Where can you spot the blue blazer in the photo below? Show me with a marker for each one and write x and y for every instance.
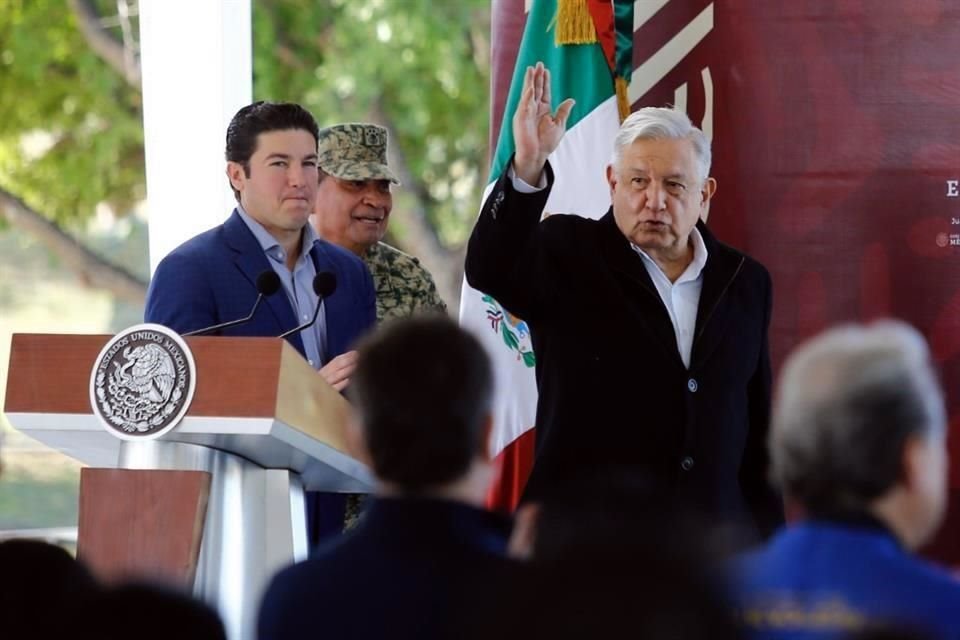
(819, 580)
(211, 278)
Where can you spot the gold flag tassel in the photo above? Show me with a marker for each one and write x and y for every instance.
(574, 23)
(623, 102)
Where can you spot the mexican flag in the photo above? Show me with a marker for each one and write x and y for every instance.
(585, 72)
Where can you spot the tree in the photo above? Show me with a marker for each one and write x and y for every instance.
(421, 69)
(73, 138)
(70, 137)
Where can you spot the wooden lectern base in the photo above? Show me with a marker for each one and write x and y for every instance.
(144, 524)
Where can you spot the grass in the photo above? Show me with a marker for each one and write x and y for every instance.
(38, 489)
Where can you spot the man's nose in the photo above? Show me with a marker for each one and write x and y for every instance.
(296, 176)
(374, 197)
(656, 197)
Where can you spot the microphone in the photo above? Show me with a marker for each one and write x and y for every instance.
(324, 284)
(268, 283)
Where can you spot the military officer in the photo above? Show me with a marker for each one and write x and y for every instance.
(352, 209)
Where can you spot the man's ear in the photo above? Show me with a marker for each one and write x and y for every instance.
(706, 193)
(611, 178)
(236, 175)
(524, 534)
(913, 461)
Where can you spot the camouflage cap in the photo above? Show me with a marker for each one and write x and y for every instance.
(355, 151)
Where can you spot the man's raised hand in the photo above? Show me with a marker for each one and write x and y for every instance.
(536, 131)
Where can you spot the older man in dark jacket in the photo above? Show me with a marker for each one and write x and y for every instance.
(650, 335)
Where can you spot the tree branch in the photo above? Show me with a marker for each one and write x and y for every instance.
(444, 264)
(108, 48)
(92, 270)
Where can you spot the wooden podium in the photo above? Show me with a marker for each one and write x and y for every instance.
(217, 501)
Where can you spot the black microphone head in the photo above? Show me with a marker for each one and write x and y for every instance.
(268, 283)
(324, 283)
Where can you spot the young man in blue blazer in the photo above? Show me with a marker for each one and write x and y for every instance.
(271, 152)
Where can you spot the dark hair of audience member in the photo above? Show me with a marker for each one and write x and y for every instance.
(422, 390)
(599, 505)
(148, 612)
(40, 584)
(263, 117)
(46, 593)
(611, 557)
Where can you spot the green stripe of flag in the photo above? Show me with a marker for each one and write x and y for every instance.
(577, 71)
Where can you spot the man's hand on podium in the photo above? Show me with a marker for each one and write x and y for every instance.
(337, 372)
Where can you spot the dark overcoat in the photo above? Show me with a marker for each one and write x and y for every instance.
(613, 390)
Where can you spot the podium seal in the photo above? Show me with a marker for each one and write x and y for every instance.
(142, 382)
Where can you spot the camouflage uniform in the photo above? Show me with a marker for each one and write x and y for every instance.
(358, 151)
(404, 287)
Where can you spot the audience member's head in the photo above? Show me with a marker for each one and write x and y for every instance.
(621, 590)
(148, 612)
(46, 593)
(609, 556)
(859, 427)
(40, 585)
(422, 394)
(613, 501)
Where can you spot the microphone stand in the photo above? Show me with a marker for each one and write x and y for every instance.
(226, 325)
(316, 312)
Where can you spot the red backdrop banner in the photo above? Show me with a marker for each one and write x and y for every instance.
(836, 137)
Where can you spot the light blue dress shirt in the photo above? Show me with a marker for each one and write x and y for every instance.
(298, 285)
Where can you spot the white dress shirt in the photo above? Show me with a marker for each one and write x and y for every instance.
(681, 298)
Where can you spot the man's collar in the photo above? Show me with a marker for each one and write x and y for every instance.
(699, 261)
(267, 242)
(856, 518)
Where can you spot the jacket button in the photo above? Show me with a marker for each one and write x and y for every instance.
(692, 385)
(687, 463)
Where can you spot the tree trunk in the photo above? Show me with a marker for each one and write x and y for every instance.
(102, 42)
(421, 240)
(91, 269)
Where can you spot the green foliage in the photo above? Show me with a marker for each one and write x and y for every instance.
(70, 127)
(47, 498)
(419, 66)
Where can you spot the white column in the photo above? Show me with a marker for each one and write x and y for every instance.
(197, 72)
